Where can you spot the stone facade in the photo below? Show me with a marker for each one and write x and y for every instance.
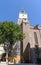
(29, 50)
(32, 37)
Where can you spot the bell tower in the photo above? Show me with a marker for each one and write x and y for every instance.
(23, 17)
(23, 21)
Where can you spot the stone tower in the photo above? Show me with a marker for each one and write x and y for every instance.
(25, 25)
(23, 21)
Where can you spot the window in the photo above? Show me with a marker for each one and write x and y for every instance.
(35, 36)
(40, 34)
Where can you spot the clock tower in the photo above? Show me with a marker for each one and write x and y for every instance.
(23, 21)
(23, 17)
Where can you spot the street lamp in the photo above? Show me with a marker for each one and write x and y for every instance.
(6, 49)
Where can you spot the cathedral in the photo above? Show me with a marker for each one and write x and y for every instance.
(28, 50)
(31, 45)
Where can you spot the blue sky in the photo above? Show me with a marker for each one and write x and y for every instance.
(9, 10)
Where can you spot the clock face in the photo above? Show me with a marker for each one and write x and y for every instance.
(22, 15)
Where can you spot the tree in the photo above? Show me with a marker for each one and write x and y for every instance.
(10, 32)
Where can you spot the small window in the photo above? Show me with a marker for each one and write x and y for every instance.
(24, 18)
(35, 36)
(40, 34)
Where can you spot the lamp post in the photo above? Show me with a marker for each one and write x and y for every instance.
(6, 49)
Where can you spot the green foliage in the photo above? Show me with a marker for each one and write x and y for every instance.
(9, 31)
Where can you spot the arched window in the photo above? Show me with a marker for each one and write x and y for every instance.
(36, 39)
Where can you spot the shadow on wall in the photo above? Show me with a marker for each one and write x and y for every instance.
(32, 55)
